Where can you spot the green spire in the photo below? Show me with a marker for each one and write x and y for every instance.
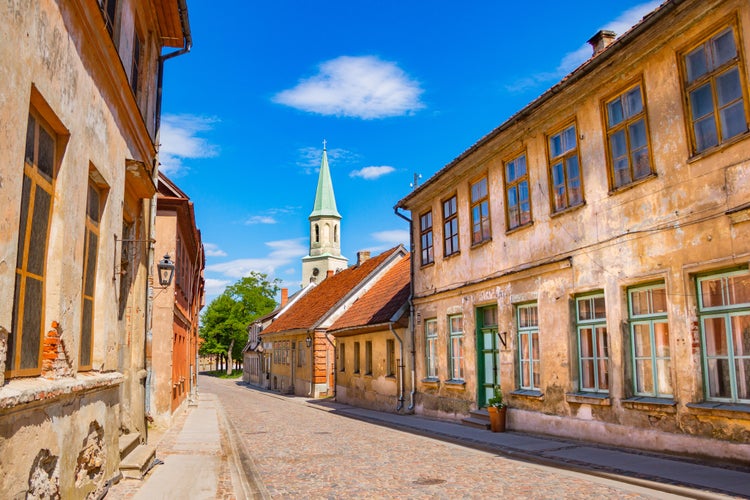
(325, 201)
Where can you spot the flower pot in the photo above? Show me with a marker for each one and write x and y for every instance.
(497, 418)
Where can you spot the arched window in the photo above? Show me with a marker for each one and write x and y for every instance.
(336, 233)
(317, 234)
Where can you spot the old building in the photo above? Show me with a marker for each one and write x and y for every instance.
(79, 126)
(172, 357)
(301, 350)
(374, 345)
(590, 255)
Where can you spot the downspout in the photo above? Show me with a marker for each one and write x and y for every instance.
(335, 370)
(411, 310)
(400, 368)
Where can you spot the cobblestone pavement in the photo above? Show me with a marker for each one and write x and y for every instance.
(299, 451)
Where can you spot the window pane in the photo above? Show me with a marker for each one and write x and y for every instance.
(32, 324)
(618, 144)
(11, 350)
(615, 112)
(732, 121)
(634, 102)
(661, 339)
(718, 378)
(622, 172)
(39, 221)
(728, 86)
(711, 295)
(724, 49)
(587, 374)
(535, 366)
(587, 342)
(512, 197)
(569, 139)
(741, 334)
(663, 377)
(524, 348)
(524, 374)
(25, 200)
(574, 181)
(738, 289)
(705, 133)
(555, 145)
(696, 63)
(641, 164)
(535, 345)
(603, 375)
(644, 376)
(46, 160)
(639, 302)
(701, 101)
(88, 288)
(659, 299)
(715, 336)
(86, 328)
(743, 378)
(637, 133)
(642, 340)
(599, 309)
(30, 131)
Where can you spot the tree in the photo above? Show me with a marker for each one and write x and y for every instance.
(224, 322)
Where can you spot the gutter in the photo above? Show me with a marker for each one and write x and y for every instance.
(411, 310)
(187, 40)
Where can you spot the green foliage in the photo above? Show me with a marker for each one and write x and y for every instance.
(497, 400)
(225, 320)
(223, 374)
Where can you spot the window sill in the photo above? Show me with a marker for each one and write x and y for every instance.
(567, 210)
(454, 254)
(528, 393)
(481, 243)
(719, 147)
(431, 381)
(455, 384)
(632, 184)
(519, 228)
(588, 398)
(650, 404)
(28, 390)
(730, 410)
(427, 264)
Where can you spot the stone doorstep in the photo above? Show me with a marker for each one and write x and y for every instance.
(137, 462)
(128, 442)
(479, 419)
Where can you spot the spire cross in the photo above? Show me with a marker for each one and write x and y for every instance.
(324, 144)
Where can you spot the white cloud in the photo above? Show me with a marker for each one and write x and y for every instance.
(362, 87)
(370, 173)
(213, 250)
(282, 253)
(392, 237)
(215, 287)
(180, 141)
(260, 219)
(572, 60)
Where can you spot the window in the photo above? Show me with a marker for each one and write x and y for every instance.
(724, 312)
(649, 333)
(356, 357)
(593, 354)
(90, 248)
(135, 75)
(430, 333)
(480, 212)
(565, 171)
(450, 226)
(109, 10)
(456, 347)
(528, 346)
(368, 358)
(25, 342)
(713, 79)
(300, 353)
(390, 355)
(517, 200)
(342, 357)
(317, 233)
(425, 237)
(627, 138)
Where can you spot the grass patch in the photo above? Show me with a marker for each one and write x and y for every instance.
(223, 374)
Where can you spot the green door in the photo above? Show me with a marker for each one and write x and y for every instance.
(488, 356)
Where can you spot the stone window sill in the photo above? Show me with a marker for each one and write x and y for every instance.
(28, 390)
(431, 381)
(455, 384)
(717, 408)
(650, 404)
(526, 393)
(588, 398)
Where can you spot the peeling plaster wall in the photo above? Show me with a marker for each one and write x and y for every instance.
(668, 228)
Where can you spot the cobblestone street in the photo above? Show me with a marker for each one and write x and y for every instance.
(299, 451)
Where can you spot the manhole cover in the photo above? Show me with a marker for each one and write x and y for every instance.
(429, 481)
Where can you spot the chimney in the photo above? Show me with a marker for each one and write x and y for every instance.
(329, 273)
(284, 296)
(602, 40)
(362, 256)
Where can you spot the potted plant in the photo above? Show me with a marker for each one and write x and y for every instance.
(497, 409)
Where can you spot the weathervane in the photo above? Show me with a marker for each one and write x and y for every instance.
(416, 180)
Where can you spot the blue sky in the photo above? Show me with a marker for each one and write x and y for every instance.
(394, 87)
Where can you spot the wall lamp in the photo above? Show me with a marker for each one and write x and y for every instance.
(166, 271)
(308, 340)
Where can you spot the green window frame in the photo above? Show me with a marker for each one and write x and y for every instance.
(456, 347)
(480, 211)
(529, 363)
(649, 341)
(565, 176)
(628, 144)
(450, 226)
(724, 316)
(425, 238)
(431, 339)
(715, 90)
(593, 351)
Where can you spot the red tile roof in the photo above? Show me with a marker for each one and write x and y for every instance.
(310, 308)
(381, 302)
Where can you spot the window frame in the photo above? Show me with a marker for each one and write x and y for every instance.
(594, 325)
(431, 343)
(342, 357)
(368, 357)
(625, 126)
(456, 354)
(427, 251)
(561, 159)
(528, 357)
(390, 358)
(726, 312)
(738, 61)
(515, 185)
(650, 319)
(483, 226)
(452, 221)
(356, 358)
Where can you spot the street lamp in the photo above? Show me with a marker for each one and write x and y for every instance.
(308, 340)
(166, 271)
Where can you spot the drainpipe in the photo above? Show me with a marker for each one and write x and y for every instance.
(335, 371)
(411, 311)
(400, 368)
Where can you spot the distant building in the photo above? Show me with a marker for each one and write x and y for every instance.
(172, 358)
(590, 255)
(79, 128)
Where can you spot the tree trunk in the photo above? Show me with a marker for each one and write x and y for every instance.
(229, 357)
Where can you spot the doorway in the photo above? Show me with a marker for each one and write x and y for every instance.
(488, 355)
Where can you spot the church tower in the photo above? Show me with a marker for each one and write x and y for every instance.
(325, 231)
